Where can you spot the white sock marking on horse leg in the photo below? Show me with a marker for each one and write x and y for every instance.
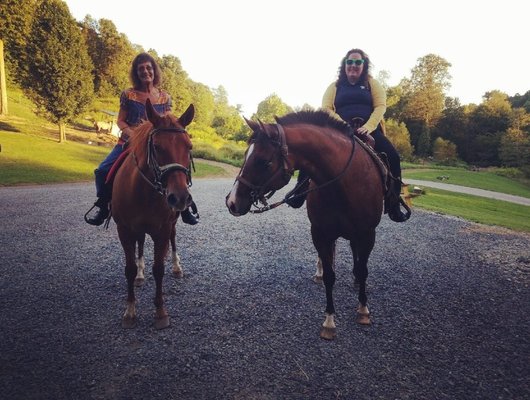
(319, 272)
(329, 322)
(140, 264)
(175, 261)
(363, 310)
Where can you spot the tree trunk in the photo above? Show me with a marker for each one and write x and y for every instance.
(3, 89)
(62, 132)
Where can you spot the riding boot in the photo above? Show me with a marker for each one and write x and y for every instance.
(101, 214)
(189, 217)
(392, 203)
(296, 197)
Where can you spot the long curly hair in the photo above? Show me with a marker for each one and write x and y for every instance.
(363, 79)
(133, 74)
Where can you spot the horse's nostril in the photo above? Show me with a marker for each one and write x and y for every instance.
(171, 199)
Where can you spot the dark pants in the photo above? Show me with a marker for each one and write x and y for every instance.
(383, 145)
(104, 191)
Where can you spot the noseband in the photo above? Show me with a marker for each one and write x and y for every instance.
(259, 193)
(160, 172)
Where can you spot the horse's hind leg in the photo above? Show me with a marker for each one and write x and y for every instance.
(326, 253)
(140, 262)
(175, 259)
(161, 244)
(128, 242)
(361, 250)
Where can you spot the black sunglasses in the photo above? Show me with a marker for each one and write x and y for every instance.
(354, 62)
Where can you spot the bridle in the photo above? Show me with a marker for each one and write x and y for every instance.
(160, 172)
(258, 193)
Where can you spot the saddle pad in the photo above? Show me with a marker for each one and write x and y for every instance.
(119, 161)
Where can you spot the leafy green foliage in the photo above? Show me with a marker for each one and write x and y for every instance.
(60, 80)
(270, 107)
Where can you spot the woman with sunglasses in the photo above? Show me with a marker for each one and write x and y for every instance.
(145, 75)
(356, 96)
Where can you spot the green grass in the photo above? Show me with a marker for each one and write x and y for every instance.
(37, 160)
(477, 209)
(482, 179)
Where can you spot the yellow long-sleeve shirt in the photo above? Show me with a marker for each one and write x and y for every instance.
(378, 98)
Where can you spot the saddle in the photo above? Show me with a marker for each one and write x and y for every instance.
(115, 166)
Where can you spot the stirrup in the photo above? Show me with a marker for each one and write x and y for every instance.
(296, 197)
(396, 215)
(188, 217)
(101, 215)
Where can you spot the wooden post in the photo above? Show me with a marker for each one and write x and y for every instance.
(3, 89)
(406, 195)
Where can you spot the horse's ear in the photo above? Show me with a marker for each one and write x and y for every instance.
(252, 124)
(152, 115)
(186, 118)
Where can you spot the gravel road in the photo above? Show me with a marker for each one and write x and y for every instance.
(450, 302)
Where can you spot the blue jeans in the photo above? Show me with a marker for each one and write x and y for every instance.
(104, 191)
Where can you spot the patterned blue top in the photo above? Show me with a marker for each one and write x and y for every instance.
(130, 102)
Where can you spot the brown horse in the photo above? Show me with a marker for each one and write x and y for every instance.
(149, 191)
(345, 197)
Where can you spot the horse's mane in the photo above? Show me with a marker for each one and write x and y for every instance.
(138, 139)
(315, 117)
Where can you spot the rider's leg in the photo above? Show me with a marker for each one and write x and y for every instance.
(383, 145)
(104, 190)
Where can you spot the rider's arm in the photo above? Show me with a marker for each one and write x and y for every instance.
(379, 101)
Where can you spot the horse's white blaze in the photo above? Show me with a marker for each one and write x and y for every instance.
(329, 322)
(231, 200)
(175, 261)
(140, 264)
(232, 195)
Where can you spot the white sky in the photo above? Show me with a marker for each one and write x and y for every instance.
(293, 48)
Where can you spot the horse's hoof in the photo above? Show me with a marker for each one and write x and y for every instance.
(364, 319)
(128, 322)
(178, 274)
(139, 282)
(328, 333)
(317, 278)
(162, 323)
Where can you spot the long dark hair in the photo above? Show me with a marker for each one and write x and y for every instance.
(133, 74)
(363, 79)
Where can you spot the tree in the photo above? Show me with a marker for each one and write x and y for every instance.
(60, 79)
(226, 121)
(398, 134)
(444, 151)
(204, 103)
(16, 18)
(515, 149)
(176, 82)
(424, 95)
(454, 126)
(271, 107)
(111, 54)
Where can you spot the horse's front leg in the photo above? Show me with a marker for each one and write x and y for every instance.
(361, 250)
(161, 244)
(175, 259)
(128, 242)
(326, 253)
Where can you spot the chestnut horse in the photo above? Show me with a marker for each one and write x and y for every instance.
(149, 191)
(345, 196)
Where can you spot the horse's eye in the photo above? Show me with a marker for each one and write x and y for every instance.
(263, 164)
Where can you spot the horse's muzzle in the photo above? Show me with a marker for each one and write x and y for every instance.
(179, 203)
